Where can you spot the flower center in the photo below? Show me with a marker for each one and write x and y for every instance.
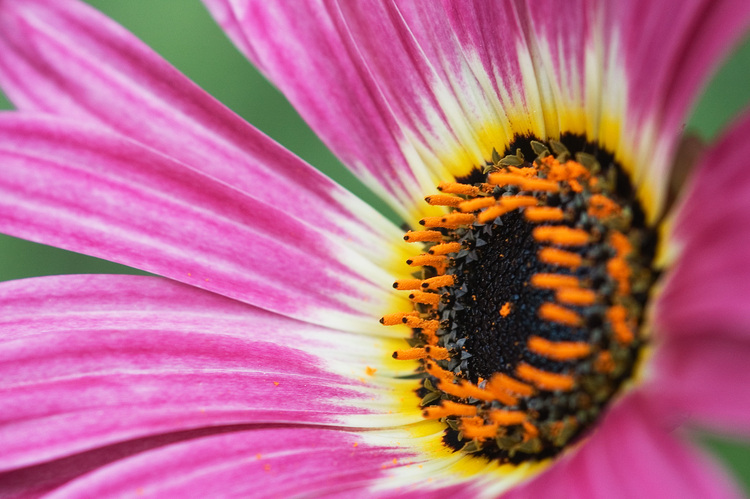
(528, 300)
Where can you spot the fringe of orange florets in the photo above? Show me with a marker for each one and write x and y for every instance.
(478, 204)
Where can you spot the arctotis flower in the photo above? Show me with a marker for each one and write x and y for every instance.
(558, 312)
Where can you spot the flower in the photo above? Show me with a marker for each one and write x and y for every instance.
(259, 360)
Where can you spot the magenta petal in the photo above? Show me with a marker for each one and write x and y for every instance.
(692, 38)
(706, 291)
(89, 361)
(630, 456)
(81, 188)
(67, 59)
(307, 50)
(669, 51)
(37, 480)
(265, 462)
(46, 59)
(404, 100)
(704, 380)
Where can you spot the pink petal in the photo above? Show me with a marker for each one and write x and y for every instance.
(309, 53)
(35, 481)
(663, 84)
(90, 361)
(704, 380)
(439, 78)
(692, 38)
(630, 456)
(272, 462)
(85, 189)
(706, 291)
(506, 59)
(640, 63)
(68, 59)
(405, 100)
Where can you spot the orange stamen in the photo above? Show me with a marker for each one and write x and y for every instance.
(449, 408)
(554, 281)
(601, 206)
(424, 298)
(416, 322)
(397, 318)
(507, 418)
(482, 432)
(440, 281)
(575, 185)
(576, 296)
(604, 363)
(403, 284)
(560, 350)
(530, 432)
(555, 313)
(505, 309)
(445, 248)
(564, 236)
(443, 200)
(556, 171)
(514, 202)
(527, 171)
(538, 184)
(503, 179)
(620, 243)
(477, 204)
(456, 188)
(492, 213)
(437, 353)
(430, 336)
(423, 236)
(524, 182)
(576, 170)
(562, 258)
(617, 316)
(545, 380)
(466, 389)
(451, 221)
(425, 259)
(472, 421)
(457, 390)
(501, 395)
(543, 214)
(410, 354)
(619, 269)
(505, 205)
(503, 383)
(437, 371)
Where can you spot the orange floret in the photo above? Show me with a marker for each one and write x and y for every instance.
(562, 258)
(576, 296)
(564, 236)
(443, 200)
(561, 315)
(554, 281)
(543, 214)
(449, 408)
(545, 380)
(420, 236)
(476, 204)
(456, 188)
(560, 350)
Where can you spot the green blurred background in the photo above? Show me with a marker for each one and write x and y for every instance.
(183, 32)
